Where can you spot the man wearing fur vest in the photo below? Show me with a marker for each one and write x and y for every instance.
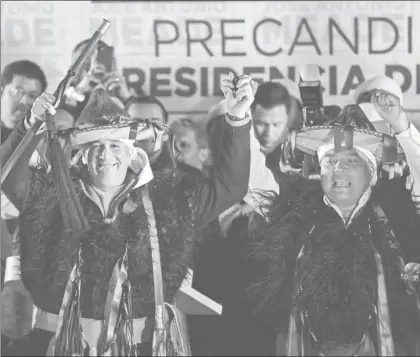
(108, 291)
(332, 253)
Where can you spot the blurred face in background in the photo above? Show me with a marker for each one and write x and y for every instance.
(86, 68)
(155, 114)
(17, 98)
(91, 65)
(188, 150)
(271, 126)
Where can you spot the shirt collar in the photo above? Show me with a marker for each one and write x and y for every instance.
(144, 171)
(362, 203)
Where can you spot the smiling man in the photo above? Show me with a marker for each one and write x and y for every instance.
(126, 269)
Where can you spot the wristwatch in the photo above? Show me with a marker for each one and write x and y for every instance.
(233, 118)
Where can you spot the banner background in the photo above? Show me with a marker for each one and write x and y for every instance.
(158, 49)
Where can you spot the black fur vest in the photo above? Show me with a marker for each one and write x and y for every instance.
(48, 253)
(335, 281)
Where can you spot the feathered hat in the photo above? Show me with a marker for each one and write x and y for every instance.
(350, 129)
(102, 118)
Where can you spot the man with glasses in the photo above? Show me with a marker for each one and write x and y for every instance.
(21, 83)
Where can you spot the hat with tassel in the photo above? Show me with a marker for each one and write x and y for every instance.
(351, 129)
(102, 118)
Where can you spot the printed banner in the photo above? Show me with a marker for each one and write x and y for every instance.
(180, 51)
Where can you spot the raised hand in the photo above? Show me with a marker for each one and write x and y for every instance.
(239, 96)
(116, 80)
(88, 83)
(388, 106)
(42, 105)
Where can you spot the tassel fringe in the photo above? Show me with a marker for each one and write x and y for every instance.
(69, 339)
(72, 212)
(118, 339)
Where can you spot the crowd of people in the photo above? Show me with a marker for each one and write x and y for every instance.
(301, 232)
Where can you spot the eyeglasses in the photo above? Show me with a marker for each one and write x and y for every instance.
(19, 92)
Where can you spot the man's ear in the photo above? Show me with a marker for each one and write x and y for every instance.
(204, 155)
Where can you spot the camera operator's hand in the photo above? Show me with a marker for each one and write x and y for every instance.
(389, 108)
(239, 97)
(42, 105)
(88, 83)
(116, 80)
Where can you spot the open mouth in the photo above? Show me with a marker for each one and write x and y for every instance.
(106, 167)
(342, 183)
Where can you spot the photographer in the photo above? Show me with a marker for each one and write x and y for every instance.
(100, 71)
(276, 111)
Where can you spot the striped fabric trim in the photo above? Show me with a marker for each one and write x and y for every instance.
(161, 316)
(69, 335)
(385, 339)
(117, 300)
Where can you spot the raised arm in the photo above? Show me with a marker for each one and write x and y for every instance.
(15, 188)
(389, 108)
(228, 183)
(410, 142)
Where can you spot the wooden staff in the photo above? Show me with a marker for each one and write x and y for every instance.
(59, 94)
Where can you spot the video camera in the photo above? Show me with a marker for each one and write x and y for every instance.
(311, 94)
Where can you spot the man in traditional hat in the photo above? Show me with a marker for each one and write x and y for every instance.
(333, 252)
(104, 291)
